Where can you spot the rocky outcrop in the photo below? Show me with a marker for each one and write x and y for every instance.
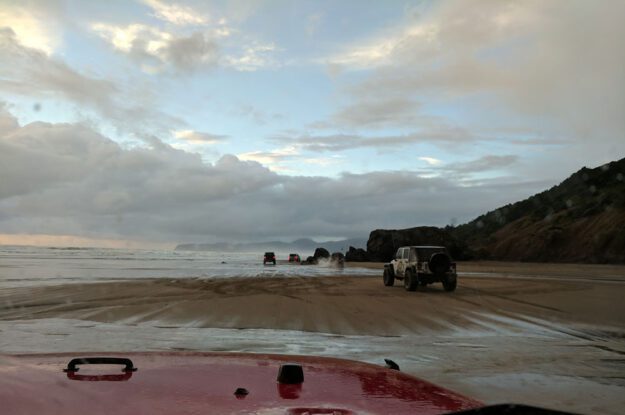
(320, 254)
(356, 255)
(383, 243)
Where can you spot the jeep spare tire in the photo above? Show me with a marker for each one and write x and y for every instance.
(439, 263)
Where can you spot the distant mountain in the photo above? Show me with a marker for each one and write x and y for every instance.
(301, 246)
(580, 220)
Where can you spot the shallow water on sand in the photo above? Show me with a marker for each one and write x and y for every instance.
(37, 266)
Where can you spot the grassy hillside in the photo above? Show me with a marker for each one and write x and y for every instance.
(580, 220)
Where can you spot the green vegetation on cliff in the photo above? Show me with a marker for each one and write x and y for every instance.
(580, 220)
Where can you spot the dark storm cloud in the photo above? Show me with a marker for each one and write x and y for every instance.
(69, 179)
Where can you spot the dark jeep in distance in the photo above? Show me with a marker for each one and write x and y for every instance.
(421, 265)
(269, 257)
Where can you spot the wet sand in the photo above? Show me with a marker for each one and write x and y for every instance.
(552, 335)
(333, 304)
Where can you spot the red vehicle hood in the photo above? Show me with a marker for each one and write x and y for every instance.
(205, 383)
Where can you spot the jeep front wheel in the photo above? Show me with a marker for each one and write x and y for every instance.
(410, 280)
(388, 277)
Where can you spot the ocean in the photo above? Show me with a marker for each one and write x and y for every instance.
(23, 266)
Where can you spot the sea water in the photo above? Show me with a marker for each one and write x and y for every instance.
(36, 266)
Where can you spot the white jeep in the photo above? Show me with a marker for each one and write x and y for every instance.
(421, 265)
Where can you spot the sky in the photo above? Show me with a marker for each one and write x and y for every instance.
(148, 123)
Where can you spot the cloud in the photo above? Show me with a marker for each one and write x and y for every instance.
(376, 113)
(273, 159)
(32, 27)
(31, 73)
(561, 60)
(252, 57)
(484, 163)
(553, 69)
(176, 14)
(382, 51)
(483, 170)
(191, 52)
(8, 123)
(447, 33)
(439, 135)
(463, 171)
(197, 137)
(158, 50)
(431, 161)
(40, 155)
(66, 179)
(285, 159)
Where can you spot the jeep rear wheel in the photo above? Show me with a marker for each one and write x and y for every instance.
(388, 277)
(410, 280)
(450, 283)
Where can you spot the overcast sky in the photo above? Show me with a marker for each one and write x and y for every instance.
(148, 123)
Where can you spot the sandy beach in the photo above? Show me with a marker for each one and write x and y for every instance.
(339, 305)
(544, 334)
